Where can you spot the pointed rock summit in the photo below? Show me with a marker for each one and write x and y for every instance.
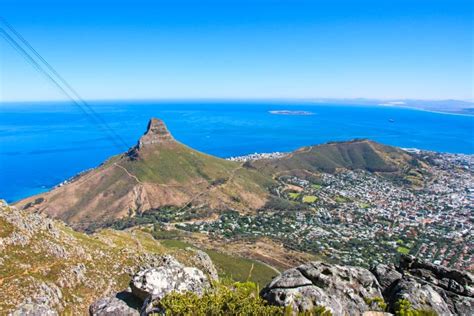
(156, 133)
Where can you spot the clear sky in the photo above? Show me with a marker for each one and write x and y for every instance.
(243, 49)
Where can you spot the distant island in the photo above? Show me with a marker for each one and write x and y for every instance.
(287, 112)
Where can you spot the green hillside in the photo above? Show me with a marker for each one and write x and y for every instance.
(358, 154)
(158, 172)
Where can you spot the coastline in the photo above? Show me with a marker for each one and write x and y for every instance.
(426, 110)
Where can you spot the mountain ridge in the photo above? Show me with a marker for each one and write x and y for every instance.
(160, 172)
(157, 172)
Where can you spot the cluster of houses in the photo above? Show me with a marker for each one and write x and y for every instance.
(358, 217)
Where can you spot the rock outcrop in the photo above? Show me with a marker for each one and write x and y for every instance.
(156, 133)
(32, 309)
(427, 286)
(46, 268)
(346, 290)
(203, 261)
(149, 286)
(170, 276)
(343, 290)
(111, 306)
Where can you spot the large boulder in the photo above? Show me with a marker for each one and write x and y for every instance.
(388, 277)
(168, 277)
(111, 306)
(421, 296)
(427, 286)
(344, 290)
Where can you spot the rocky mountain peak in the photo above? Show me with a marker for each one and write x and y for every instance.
(156, 133)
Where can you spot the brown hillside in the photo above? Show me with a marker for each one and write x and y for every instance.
(157, 172)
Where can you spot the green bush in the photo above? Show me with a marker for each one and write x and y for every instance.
(240, 298)
(236, 299)
(403, 308)
(376, 302)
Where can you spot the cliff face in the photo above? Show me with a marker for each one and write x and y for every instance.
(156, 133)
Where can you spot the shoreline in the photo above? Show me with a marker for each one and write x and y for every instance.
(429, 111)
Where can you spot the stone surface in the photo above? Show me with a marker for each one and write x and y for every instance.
(111, 306)
(387, 276)
(32, 309)
(170, 276)
(427, 286)
(156, 133)
(203, 261)
(340, 289)
(423, 297)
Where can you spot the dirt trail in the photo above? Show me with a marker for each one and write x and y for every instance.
(213, 187)
(128, 173)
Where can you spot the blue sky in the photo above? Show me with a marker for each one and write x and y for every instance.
(243, 49)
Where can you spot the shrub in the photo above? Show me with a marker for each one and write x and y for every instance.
(227, 298)
(403, 308)
(376, 302)
(240, 298)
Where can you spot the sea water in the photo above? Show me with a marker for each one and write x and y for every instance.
(44, 143)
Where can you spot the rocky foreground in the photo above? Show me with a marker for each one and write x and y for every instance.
(46, 268)
(354, 290)
(340, 290)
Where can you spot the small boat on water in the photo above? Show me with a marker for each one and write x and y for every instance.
(391, 120)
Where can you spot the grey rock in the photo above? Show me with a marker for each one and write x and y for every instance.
(387, 276)
(427, 286)
(421, 296)
(45, 294)
(72, 276)
(150, 306)
(203, 260)
(170, 276)
(32, 309)
(341, 289)
(459, 282)
(111, 306)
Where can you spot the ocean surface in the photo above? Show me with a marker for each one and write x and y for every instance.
(42, 144)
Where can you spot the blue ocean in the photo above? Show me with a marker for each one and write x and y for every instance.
(43, 144)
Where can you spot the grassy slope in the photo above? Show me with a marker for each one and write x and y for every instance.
(231, 266)
(50, 252)
(37, 252)
(177, 163)
(160, 175)
(40, 256)
(180, 164)
(358, 154)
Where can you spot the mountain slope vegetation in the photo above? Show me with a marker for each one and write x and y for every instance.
(158, 172)
(45, 262)
(360, 154)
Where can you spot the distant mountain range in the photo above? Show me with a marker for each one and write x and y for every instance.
(160, 172)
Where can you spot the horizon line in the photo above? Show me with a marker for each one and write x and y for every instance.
(307, 99)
